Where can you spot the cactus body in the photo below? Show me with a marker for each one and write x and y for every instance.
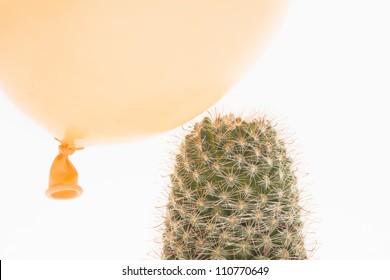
(233, 195)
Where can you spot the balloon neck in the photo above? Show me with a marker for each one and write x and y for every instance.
(67, 149)
(63, 181)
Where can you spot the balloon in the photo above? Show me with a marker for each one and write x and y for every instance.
(96, 71)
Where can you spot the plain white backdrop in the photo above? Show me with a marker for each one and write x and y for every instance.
(325, 76)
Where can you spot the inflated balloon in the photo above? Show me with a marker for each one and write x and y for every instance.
(95, 71)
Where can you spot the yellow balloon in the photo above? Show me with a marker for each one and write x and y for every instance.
(93, 71)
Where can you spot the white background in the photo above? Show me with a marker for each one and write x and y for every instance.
(325, 76)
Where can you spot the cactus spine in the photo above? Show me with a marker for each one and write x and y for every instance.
(233, 195)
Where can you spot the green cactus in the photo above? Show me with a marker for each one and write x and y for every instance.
(233, 195)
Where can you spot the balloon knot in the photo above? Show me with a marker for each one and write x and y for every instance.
(67, 149)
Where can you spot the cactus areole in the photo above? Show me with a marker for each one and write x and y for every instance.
(233, 195)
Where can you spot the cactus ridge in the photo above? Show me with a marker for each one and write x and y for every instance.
(233, 194)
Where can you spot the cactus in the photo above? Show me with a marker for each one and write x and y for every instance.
(233, 195)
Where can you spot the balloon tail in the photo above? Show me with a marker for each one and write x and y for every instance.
(63, 181)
